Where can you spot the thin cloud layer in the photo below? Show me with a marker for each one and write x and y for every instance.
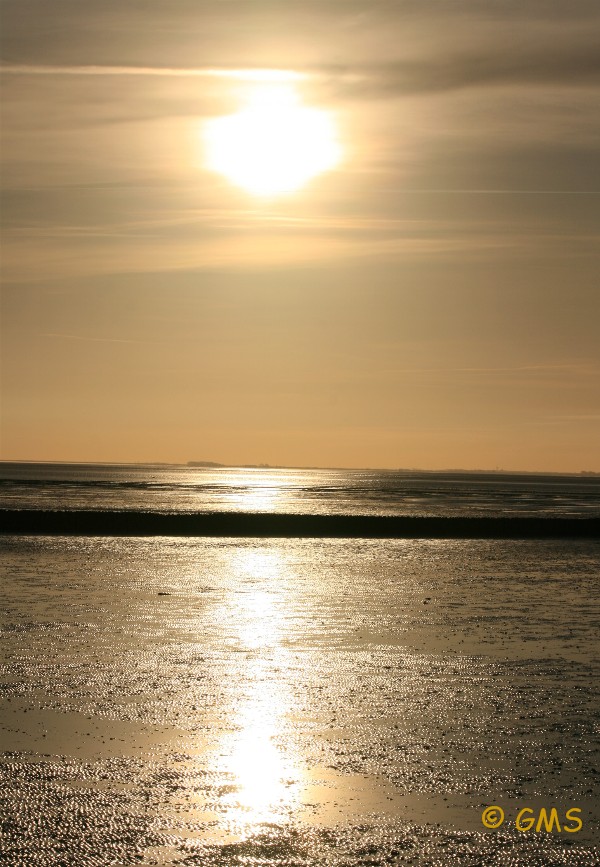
(575, 65)
(429, 43)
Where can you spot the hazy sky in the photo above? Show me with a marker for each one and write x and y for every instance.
(432, 302)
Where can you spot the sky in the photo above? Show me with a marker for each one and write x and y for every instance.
(430, 301)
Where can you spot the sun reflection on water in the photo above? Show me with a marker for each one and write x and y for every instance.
(255, 492)
(262, 769)
(256, 610)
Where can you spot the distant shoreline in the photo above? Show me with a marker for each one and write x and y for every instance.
(261, 525)
(212, 465)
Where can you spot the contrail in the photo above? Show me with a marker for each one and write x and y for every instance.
(174, 72)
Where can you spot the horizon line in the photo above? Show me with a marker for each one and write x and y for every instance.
(214, 465)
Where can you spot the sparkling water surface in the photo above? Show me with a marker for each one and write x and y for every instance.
(297, 702)
(187, 489)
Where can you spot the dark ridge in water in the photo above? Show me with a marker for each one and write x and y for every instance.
(262, 525)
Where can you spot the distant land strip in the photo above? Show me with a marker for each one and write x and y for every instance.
(261, 525)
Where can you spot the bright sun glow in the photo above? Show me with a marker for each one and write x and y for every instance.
(274, 145)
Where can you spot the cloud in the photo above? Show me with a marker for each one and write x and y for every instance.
(374, 49)
(572, 65)
(256, 75)
(32, 258)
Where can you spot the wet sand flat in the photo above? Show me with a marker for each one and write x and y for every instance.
(297, 702)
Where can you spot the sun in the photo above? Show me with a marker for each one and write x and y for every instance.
(274, 145)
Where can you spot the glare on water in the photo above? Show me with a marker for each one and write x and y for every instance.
(254, 755)
(263, 770)
(223, 693)
(253, 496)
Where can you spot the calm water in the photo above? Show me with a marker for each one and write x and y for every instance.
(174, 489)
(297, 702)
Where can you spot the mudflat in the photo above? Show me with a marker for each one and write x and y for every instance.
(298, 702)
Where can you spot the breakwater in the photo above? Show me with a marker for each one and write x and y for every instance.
(261, 525)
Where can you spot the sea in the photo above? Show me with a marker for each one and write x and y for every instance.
(296, 491)
(242, 701)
